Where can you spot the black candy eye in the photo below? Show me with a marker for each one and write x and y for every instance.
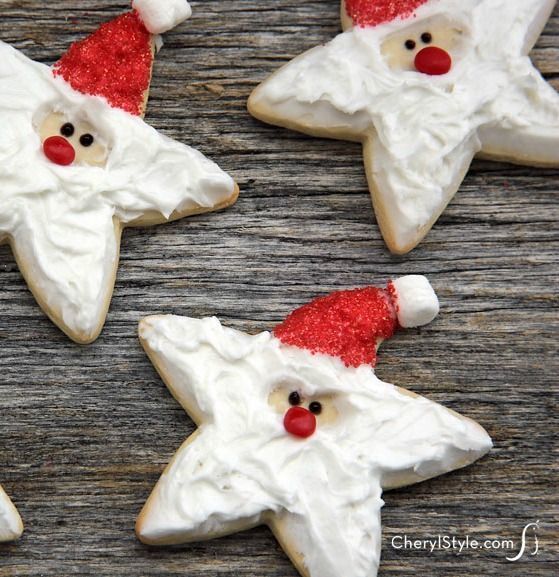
(426, 38)
(315, 408)
(86, 140)
(67, 130)
(294, 399)
(410, 44)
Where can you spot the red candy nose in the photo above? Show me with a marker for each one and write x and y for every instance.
(433, 60)
(299, 422)
(59, 150)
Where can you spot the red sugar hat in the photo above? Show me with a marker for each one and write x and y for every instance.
(116, 61)
(351, 324)
(374, 12)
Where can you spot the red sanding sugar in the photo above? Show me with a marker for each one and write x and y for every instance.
(344, 324)
(114, 62)
(373, 12)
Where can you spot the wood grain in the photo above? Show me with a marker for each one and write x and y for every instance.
(85, 431)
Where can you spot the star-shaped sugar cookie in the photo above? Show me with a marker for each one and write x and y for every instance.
(11, 526)
(297, 432)
(78, 164)
(425, 85)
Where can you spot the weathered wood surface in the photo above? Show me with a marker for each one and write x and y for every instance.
(85, 432)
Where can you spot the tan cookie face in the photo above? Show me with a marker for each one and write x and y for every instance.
(429, 46)
(301, 412)
(68, 141)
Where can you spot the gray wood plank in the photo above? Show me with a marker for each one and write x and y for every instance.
(85, 432)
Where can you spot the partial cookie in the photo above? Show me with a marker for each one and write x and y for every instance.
(11, 526)
(296, 431)
(425, 85)
(78, 164)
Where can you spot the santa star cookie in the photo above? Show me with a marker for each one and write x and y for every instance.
(11, 526)
(78, 163)
(425, 85)
(296, 431)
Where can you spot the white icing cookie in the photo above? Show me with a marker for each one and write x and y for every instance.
(295, 437)
(11, 526)
(425, 85)
(78, 164)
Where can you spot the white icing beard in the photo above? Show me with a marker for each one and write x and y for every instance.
(60, 218)
(323, 493)
(426, 126)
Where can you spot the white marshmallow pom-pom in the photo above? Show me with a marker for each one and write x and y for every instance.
(159, 16)
(416, 301)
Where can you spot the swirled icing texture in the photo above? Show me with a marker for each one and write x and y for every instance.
(427, 128)
(322, 495)
(61, 218)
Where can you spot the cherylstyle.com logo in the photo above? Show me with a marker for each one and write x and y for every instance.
(526, 545)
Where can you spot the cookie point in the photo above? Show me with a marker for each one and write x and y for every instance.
(11, 526)
(415, 300)
(143, 324)
(146, 324)
(143, 532)
(478, 438)
(150, 524)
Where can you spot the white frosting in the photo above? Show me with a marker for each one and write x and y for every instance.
(323, 493)
(426, 129)
(159, 16)
(417, 303)
(60, 218)
(10, 522)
